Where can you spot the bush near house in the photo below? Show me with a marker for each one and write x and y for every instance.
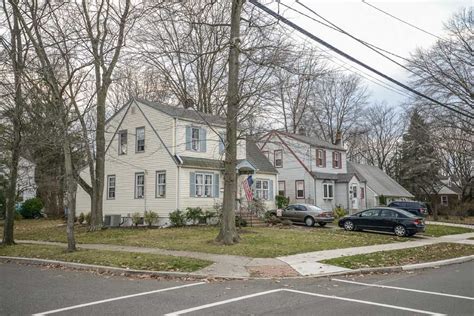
(282, 201)
(194, 214)
(31, 208)
(177, 218)
(150, 218)
(339, 212)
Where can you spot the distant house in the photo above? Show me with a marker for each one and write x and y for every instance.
(378, 184)
(448, 194)
(162, 158)
(314, 171)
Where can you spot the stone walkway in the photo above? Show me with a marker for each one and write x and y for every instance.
(305, 264)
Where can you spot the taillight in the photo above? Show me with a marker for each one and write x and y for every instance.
(417, 222)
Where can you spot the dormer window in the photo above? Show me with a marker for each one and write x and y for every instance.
(195, 139)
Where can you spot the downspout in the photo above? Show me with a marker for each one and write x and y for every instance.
(178, 180)
(347, 197)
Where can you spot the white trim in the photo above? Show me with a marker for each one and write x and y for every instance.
(117, 298)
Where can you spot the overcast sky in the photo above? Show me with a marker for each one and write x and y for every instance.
(374, 27)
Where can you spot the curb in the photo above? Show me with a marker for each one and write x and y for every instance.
(114, 270)
(181, 275)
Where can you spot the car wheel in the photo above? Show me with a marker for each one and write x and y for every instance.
(322, 224)
(349, 225)
(309, 221)
(400, 231)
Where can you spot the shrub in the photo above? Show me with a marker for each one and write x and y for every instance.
(240, 222)
(208, 216)
(270, 218)
(136, 218)
(339, 212)
(18, 216)
(177, 218)
(258, 207)
(88, 218)
(194, 214)
(31, 208)
(150, 217)
(282, 201)
(81, 218)
(218, 211)
(382, 200)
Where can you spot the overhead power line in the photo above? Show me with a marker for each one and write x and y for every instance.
(403, 21)
(353, 59)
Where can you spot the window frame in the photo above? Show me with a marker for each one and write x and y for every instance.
(326, 191)
(337, 160)
(158, 184)
(120, 145)
(136, 140)
(262, 193)
(296, 190)
(136, 196)
(447, 200)
(109, 186)
(203, 186)
(196, 141)
(284, 187)
(280, 151)
(320, 153)
(362, 192)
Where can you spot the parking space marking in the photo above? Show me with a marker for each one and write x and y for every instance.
(240, 298)
(405, 289)
(118, 298)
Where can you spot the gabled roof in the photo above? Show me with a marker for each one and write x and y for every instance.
(379, 181)
(258, 159)
(312, 140)
(186, 114)
(338, 177)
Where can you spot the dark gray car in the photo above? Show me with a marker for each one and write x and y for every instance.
(307, 214)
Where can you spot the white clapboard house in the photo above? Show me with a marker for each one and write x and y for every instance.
(314, 171)
(163, 158)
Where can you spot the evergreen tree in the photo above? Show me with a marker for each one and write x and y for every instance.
(419, 164)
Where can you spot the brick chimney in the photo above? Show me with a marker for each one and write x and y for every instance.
(302, 131)
(339, 139)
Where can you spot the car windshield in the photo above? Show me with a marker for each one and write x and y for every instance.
(314, 208)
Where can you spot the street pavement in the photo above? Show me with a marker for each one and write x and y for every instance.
(27, 290)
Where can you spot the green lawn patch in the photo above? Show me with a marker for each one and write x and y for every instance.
(442, 230)
(400, 257)
(128, 260)
(263, 242)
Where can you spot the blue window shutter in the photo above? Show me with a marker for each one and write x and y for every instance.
(270, 190)
(203, 139)
(188, 137)
(221, 142)
(192, 184)
(216, 185)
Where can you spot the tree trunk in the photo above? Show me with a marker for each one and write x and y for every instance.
(228, 233)
(71, 187)
(17, 65)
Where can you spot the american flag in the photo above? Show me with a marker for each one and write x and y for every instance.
(247, 184)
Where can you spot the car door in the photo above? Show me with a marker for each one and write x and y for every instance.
(387, 219)
(368, 219)
(288, 212)
(300, 213)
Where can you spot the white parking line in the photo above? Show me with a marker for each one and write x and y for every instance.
(193, 309)
(405, 289)
(118, 298)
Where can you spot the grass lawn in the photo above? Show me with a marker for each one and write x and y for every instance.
(403, 256)
(119, 259)
(441, 230)
(263, 242)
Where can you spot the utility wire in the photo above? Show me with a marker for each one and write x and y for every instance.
(403, 21)
(352, 59)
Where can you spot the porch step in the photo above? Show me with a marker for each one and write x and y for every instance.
(252, 220)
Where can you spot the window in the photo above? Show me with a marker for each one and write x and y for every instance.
(195, 142)
(278, 158)
(262, 189)
(203, 185)
(369, 213)
(111, 187)
(281, 188)
(320, 158)
(299, 188)
(328, 191)
(160, 184)
(140, 140)
(362, 193)
(354, 191)
(122, 146)
(336, 160)
(139, 185)
(388, 213)
(444, 200)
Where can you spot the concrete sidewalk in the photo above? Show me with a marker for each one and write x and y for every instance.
(308, 263)
(471, 226)
(305, 264)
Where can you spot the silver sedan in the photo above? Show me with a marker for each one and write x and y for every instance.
(308, 214)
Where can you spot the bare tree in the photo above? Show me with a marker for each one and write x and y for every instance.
(338, 105)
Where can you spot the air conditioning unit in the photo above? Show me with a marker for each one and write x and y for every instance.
(112, 220)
